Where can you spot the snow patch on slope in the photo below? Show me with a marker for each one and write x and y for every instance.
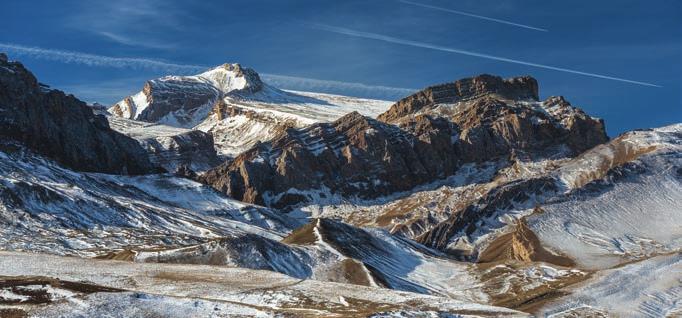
(630, 219)
(263, 290)
(44, 207)
(650, 288)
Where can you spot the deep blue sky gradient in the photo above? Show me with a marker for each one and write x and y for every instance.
(636, 40)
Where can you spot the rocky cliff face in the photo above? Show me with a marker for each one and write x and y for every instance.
(192, 149)
(420, 139)
(353, 155)
(62, 127)
(496, 116)
(518, 88)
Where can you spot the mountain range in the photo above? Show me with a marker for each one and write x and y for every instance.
(220, 195)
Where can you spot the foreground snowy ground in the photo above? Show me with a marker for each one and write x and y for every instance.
(124, 289)
(45, 207)
(54, 286)
(650, 288)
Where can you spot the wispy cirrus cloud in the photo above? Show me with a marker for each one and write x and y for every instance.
(110, 88)
(345, 88)
(71, 57)
(390, 39)
(481, 17)
(145, 24)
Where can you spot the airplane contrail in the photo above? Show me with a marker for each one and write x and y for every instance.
(473, 15)
(385, 38)
(282, 81)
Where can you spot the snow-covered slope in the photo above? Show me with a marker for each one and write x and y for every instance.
(239, 123)
(170, 147)
(332, 251)
(633, 208)
(47, 208)
(172, 290)
(650, 288)
(235, 106)
(615, 203)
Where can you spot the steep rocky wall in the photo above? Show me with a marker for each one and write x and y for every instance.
(62, 127)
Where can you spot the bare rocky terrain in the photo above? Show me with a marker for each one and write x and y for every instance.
(420, 139)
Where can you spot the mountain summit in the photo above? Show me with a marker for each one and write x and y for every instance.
(231, 103)
(517, 88)
(185, 100)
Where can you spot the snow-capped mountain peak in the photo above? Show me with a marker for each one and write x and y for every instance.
(183, 101)
(233, 77)
(231, 103)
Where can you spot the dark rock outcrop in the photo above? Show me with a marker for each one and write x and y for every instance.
(420, 139)
(518, 88)
(354, 155)
(62, 127)
(496, 116)
(586, 132)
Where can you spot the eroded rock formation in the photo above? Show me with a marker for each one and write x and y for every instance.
(422, 138)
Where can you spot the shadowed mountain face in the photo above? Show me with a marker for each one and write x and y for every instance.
(62, 127)
(169, 147)
(420, 139)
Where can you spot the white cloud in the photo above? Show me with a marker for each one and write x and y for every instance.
(143, 24)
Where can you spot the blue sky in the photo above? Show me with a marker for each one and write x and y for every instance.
(618, 60)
